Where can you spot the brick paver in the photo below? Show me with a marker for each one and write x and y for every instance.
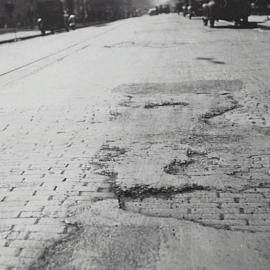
(42, 172)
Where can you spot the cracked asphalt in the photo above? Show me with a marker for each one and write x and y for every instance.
(140, 144)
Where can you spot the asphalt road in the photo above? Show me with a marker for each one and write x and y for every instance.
(139, 144)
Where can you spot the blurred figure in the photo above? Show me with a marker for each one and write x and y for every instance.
(72, 21)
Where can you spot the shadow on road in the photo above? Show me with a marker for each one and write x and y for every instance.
(196, 18)
(211, 60)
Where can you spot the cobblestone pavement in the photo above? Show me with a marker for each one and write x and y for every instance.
(183, 134)
(48, 131)
(41, 173)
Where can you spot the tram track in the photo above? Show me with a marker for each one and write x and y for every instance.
(40, 63)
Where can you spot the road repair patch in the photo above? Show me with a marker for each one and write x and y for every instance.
(190, 157)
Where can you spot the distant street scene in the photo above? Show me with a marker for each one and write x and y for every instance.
(134, 135)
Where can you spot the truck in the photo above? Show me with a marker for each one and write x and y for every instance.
(51, 16)
(236, 11)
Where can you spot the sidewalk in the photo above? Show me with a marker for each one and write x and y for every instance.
(8, 35)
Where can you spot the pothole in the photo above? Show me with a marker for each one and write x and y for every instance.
(221, 208)
(214, 183)
(152, 105)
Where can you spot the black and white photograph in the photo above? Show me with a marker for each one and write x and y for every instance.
(134, 134)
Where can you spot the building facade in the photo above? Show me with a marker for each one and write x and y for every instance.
(24, 12)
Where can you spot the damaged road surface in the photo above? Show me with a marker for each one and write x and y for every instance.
(141, 144)
(190, 186)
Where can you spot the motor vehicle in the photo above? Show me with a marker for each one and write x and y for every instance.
(260, 7)
(51, 16)
(236, 11)
(195, 8)
(166, 9)
(152, 11)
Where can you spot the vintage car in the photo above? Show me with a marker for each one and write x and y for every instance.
(195, 8)
(164, 9)
(152, 11)
(236, 11)
(51, 16)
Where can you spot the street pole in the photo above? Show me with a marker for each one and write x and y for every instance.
(15, 30)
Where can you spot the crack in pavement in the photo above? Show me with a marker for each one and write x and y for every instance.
(152, 105)
(221, 208)
(218, 111)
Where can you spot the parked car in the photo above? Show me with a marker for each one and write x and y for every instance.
(52, 16)
(164, 9)
(236, 11)
(152, 11)
(195, 8)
